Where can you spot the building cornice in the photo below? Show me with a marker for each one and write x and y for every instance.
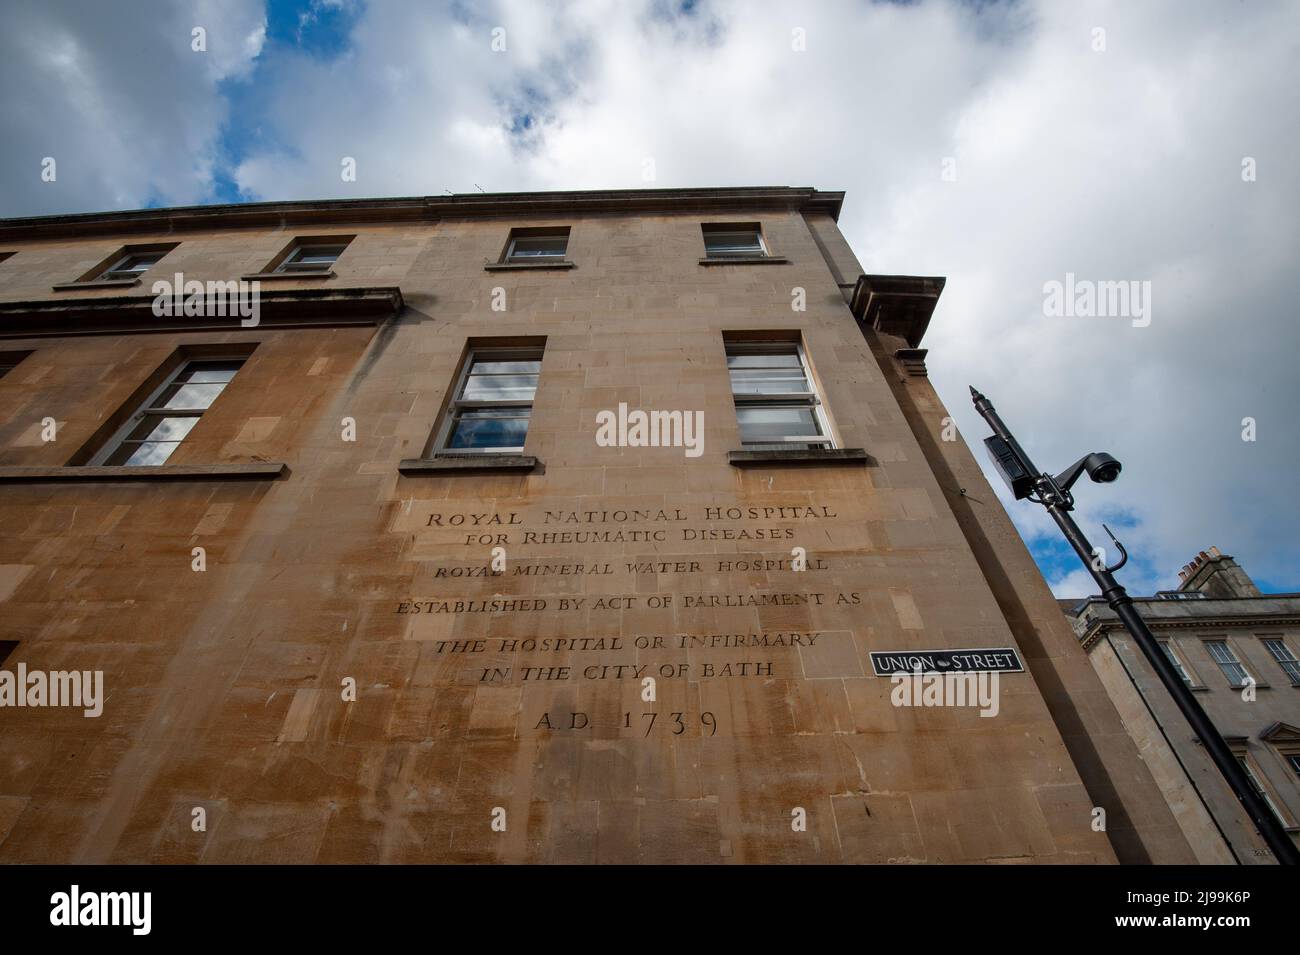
(422, 209)
(1099, 628)
(896, 304)
(277, 308)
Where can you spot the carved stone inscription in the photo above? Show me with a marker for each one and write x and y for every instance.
(594, 597)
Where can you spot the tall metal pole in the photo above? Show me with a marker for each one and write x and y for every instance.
(1284, 850)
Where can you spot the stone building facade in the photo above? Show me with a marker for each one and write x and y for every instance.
(366, 580)
(1239, 650)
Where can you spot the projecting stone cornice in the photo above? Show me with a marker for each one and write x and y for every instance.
(422, 209)
(897, 304)
(1098, 628)
(277, 308)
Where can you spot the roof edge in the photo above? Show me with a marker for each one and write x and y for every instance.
(421, 208)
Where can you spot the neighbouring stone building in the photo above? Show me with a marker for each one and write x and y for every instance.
(553, 527)
(1237, 648)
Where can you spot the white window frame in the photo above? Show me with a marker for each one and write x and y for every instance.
(459, 404)
(147, 408)
(757, 233)
(1224, 665)
(1261, 789)
(802, 399)
(513, 257)
(1292, 671)
(1172, 655)
(116, 272)
(292, 263)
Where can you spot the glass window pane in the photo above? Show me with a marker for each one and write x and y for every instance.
(1285, 659)
(318, 253)
(1260, 791)
(764, 381)
(311, 258)
(539, 246)
(764, 360)
(497, 387)
(132, 265)
(187, 395)
(1227, 661)
(210, 373)
(489, 429)
(1279, 650)
(732, 243)
(525, 367)
(145, 454)
(764, 423)
(1219, 650)
(1177, 664)
(160, 428)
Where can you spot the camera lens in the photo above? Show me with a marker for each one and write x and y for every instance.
(1102, 468)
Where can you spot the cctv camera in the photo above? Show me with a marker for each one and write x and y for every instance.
(1101, 467)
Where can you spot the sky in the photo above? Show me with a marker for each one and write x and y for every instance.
(1005, 146)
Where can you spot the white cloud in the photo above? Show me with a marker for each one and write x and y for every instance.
(1076, 583)
(127, 109)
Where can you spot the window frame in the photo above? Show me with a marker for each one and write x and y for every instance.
(732, 229)
(513, 258)
(109, 270)
(1224, 664)
(1258, 781)
(457, 403)
(148, 408)
(115, 272)
(294, 257)
(1292, 672)
(807, 399)
(1171, 653)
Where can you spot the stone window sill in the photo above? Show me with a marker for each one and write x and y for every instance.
(511, 266)
(97, 283)
(744, 459)
(468, 463)
(163, 472)
(746, 260)
(286, 276)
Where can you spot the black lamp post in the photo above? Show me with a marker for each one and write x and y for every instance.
(1026, 481)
